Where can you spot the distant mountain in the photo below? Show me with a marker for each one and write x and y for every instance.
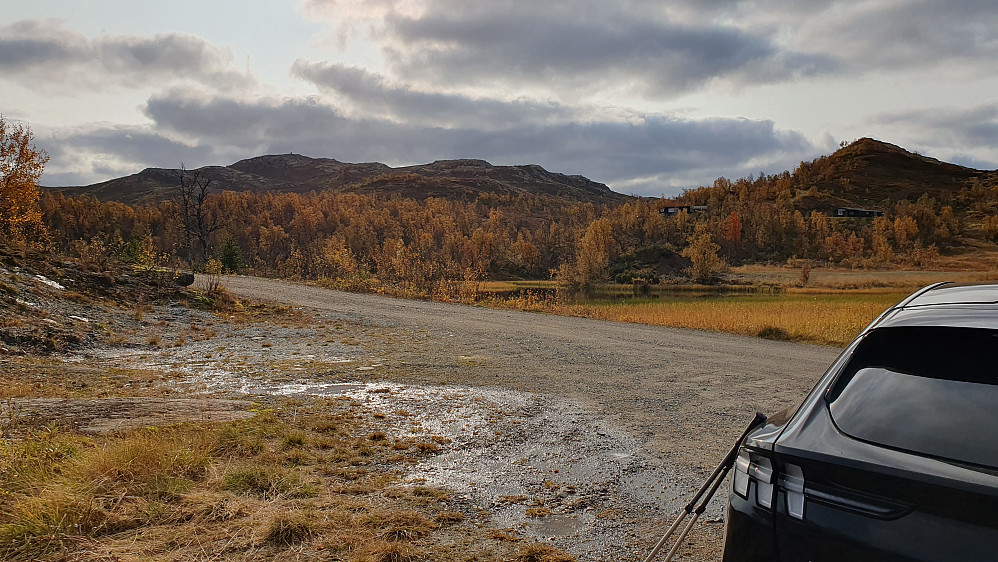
(458, 179)
(875, 174)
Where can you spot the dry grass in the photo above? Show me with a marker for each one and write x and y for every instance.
(536, 552)
(769, 301)
(289, 529)
(64, 490)
(847, 279)
(234, 490)
(829, 318)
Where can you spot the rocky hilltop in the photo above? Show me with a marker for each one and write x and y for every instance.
(463, 179)
(876, 174)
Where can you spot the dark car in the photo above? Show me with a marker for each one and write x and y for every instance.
(893, 455)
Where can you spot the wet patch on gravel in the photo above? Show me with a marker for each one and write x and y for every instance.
(536, 463)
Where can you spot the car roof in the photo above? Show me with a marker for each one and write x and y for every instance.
(948, 305)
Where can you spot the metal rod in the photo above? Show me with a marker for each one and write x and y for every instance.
(696, 514)
(679, 541)
(713, 481)
(665, 537)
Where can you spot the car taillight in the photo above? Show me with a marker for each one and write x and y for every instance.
(792, 483)
(753, 467)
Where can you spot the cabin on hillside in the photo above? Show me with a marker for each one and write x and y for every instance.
(671, 208)
(850, 212)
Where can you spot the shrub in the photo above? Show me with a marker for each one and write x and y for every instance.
(774, 333)
(231, 256)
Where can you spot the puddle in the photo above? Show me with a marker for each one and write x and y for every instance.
(512, 453)
(559, 526)
(293, 389)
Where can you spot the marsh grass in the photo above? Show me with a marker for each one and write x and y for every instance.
(766, 301)
(823, 318)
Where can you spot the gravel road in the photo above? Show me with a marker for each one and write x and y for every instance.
(676, 398)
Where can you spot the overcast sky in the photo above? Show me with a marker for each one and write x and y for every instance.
(647, 96)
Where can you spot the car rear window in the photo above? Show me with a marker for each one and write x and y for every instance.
(927, 390)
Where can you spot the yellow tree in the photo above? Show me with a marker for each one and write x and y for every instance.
(596, 249)
(21, 164)
(707, 265)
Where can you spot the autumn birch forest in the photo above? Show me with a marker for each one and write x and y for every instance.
(435, 246)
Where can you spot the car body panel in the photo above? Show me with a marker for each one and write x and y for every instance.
(866, 501)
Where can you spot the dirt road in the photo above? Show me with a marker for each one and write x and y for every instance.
(640, 414)
(681, 393)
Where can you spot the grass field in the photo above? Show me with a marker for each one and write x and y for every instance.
(830, 318)
(766, 301)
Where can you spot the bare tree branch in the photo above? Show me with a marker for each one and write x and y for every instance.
(198, 222)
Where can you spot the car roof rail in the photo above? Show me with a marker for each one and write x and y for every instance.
(919, 293)
(903, 303)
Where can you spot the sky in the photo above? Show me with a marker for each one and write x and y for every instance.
(648, 96)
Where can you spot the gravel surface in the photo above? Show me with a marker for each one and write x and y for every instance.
(586, 433)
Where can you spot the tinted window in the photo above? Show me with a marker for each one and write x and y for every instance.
(932, 391)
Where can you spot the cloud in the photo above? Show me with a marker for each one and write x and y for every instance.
(578, 49)
(372, 94)
(651, 154)
(892, 36)
(584, 45)
(958, 127)
(96, 152)
(47, 56)
(967, 136)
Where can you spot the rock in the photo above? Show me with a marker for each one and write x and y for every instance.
(184, 279)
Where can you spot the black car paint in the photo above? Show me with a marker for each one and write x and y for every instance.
(863, 501)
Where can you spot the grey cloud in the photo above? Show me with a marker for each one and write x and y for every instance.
(913, 34)
(882, 36)
(85, 155)
(47, 56)
(21, 53)
(26, 45)
(973, 162)
(961, 128)
(665, 49)
(582, 45)
(130, 143)
(965, 136)
(659, 147)
(374, 95)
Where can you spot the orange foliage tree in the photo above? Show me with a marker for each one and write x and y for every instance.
(21, 165)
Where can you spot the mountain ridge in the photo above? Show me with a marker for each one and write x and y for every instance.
(461, 178)
(865, 173)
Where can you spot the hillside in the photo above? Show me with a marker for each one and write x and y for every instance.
(873, 174)
(455, 179)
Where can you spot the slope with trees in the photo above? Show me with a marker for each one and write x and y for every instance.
(371, 238)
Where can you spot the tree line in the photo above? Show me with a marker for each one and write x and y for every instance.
(369, 241)
(432, 245)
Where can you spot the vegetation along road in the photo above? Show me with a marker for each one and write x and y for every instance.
(683, 395)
